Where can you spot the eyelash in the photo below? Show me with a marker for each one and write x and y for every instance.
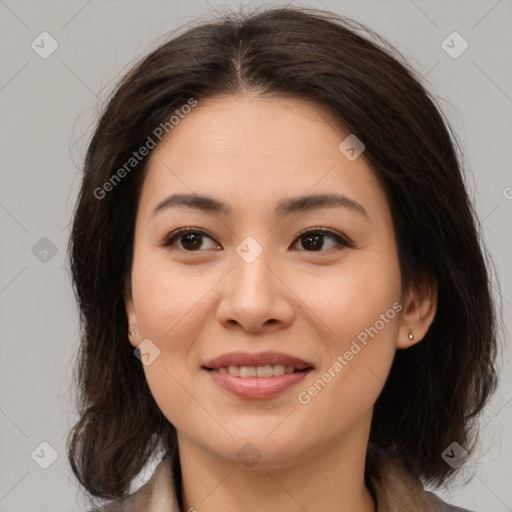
(170, 239)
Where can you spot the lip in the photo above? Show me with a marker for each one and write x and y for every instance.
(257, 387)
(259, 359)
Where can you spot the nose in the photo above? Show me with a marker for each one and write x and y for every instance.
(255, 297)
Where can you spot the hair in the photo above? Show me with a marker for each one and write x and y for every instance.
(436, 388)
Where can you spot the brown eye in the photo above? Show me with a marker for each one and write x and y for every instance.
(313, 239)
(190, 239)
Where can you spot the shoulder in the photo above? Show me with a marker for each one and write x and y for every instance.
(156, 495)
(439, 505)
(139, 501)
(395, 487)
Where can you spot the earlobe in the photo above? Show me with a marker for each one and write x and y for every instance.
(132, 338)
(132, 324)
(419, 310)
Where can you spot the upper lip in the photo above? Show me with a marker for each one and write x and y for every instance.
(259, 359)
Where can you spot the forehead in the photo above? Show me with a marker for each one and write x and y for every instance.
(245, 124)
(248, 149)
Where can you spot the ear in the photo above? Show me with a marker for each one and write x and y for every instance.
(419, 309)
(130, 313)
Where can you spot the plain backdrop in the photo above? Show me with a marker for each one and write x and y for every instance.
(47, 110)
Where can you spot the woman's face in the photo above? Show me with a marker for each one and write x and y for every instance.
(247, 281)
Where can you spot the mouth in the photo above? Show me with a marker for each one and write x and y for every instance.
(266, 371)
(262, 375)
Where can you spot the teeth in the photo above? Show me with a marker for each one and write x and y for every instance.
(278, 369)
(264, 371)
(268, 370)
(247, 371)
(234, 370)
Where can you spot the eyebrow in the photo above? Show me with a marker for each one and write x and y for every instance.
(285, 207)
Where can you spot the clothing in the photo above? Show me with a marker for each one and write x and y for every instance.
(393, 486)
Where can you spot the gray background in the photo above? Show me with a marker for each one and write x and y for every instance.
(47, 110)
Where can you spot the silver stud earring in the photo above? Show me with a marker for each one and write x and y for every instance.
(132, 333)
(411, 336)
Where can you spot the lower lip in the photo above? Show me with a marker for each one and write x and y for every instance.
(257, 387)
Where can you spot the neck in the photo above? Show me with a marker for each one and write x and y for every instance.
(332, 479)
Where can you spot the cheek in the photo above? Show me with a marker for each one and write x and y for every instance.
(354, 296)
(359, 308)
(163, 295)
(169, 310)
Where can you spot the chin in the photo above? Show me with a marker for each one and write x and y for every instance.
(257, 449)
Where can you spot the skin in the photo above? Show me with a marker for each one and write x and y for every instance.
(194, 305)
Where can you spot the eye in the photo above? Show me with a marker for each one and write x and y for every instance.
(191, 239)
(314, 239)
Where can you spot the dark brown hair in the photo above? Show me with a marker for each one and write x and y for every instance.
(437, 387)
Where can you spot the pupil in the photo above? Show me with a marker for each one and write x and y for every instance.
(314, 238)
(192, 240)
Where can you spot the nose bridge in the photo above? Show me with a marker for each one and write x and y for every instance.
(252, 275)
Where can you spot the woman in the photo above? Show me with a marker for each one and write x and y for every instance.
(281, 286)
